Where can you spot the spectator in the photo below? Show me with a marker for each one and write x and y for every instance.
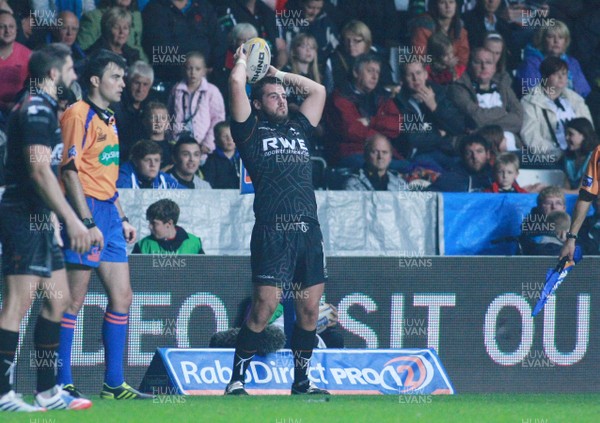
(589, 234)
(430, 119)
(320, 26)
(176, 27)
(67, 34)
(444, 68)
(222, 168)
(257, 13)
(551, 242)
(496, 44)
(91, 25)
(196, 105)
(582, 141)
(494, 134)
(473, 174)
(356, 41)
(375, 174)
(550, 41)
(359, 111)
(536, 225)
(14, 58)
(303, 61)
(487, 17)
(506, 171)
(143, 170)
(129, 111)
(187, 162)
(165, 236)
(442, 16)
(156, 123)
(485, 98)
(115, 25)
(548, 108)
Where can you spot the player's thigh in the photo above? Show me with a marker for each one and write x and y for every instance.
(18, 294)
(115, 278)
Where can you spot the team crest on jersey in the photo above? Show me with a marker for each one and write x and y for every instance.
(100, 135)
(587, 181)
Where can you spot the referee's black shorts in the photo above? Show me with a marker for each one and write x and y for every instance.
(28, 244)
(289, 256)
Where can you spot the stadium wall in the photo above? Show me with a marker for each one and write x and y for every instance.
(475, 311)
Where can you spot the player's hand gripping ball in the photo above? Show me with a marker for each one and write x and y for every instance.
(258, 59)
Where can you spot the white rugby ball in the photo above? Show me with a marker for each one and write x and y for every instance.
(258, 59)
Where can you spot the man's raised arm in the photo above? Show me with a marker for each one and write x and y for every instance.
(239, 103)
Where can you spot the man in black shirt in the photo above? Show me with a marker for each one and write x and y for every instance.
(287, 245)
(31, 256)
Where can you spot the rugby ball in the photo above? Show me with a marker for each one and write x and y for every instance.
(258, 59)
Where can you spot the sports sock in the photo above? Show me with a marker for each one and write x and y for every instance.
(303, 342)
(67, 331)
(245, 348)
(46, 337)
(8, 348)
(114, 336)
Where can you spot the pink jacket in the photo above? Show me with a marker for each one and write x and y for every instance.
(206, 108)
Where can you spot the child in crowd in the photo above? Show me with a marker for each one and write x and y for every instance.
(506, 170)
(196, 105)
(444, 68)
(165, 236)
(222, 168)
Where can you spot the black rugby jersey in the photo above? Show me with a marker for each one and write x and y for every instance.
(33, 121)
(278, 160)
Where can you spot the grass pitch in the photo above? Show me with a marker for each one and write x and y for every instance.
(516, 408)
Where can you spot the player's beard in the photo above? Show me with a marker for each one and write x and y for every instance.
(274, 117)
(62, 90)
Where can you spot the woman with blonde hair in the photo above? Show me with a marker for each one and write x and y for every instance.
(550, 41)
(115, 27)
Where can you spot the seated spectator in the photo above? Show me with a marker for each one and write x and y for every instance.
(488, 16)
(506, 171)
(430, 119)
(222, 168)
(442, 16)
(320, 26)
(14, 58)
(551, 244)
(156, 122)
(494, 134)
(129, 111)
(550, 41)
(496, 44)
(484, 98)
(91, 27)
(356, 41)
(67, 34)
(536, 226)
(589, 234)
(375, 174)
(473, 174)
(176, 27)
(582, 140)
(143, 170)
(186, 153)
(359, 111)
(115, 25)
(165, 236)
(548, 108)
(444, 68)
(196, 105)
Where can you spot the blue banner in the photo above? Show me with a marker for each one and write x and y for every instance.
(343, 371)
(473, 220)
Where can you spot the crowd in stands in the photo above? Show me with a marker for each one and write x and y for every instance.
(460, 93)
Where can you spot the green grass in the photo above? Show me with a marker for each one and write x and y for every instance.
(517, 408)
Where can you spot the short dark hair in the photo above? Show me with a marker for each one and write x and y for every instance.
(219, 126)
(552, 65)
(186, 138)
(585, 128)
(52, 56)
(163, 210)
(144, 147)
(259, 88)
(470, 140)
(363, 59)
(96, 64)
(494, 134)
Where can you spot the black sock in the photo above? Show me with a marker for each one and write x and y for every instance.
(46, 337)
(245, 348)
(303, 342)
(8, 348)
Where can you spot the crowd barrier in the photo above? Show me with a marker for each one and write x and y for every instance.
(474, 311)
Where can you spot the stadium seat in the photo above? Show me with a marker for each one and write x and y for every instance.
(544, 176)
